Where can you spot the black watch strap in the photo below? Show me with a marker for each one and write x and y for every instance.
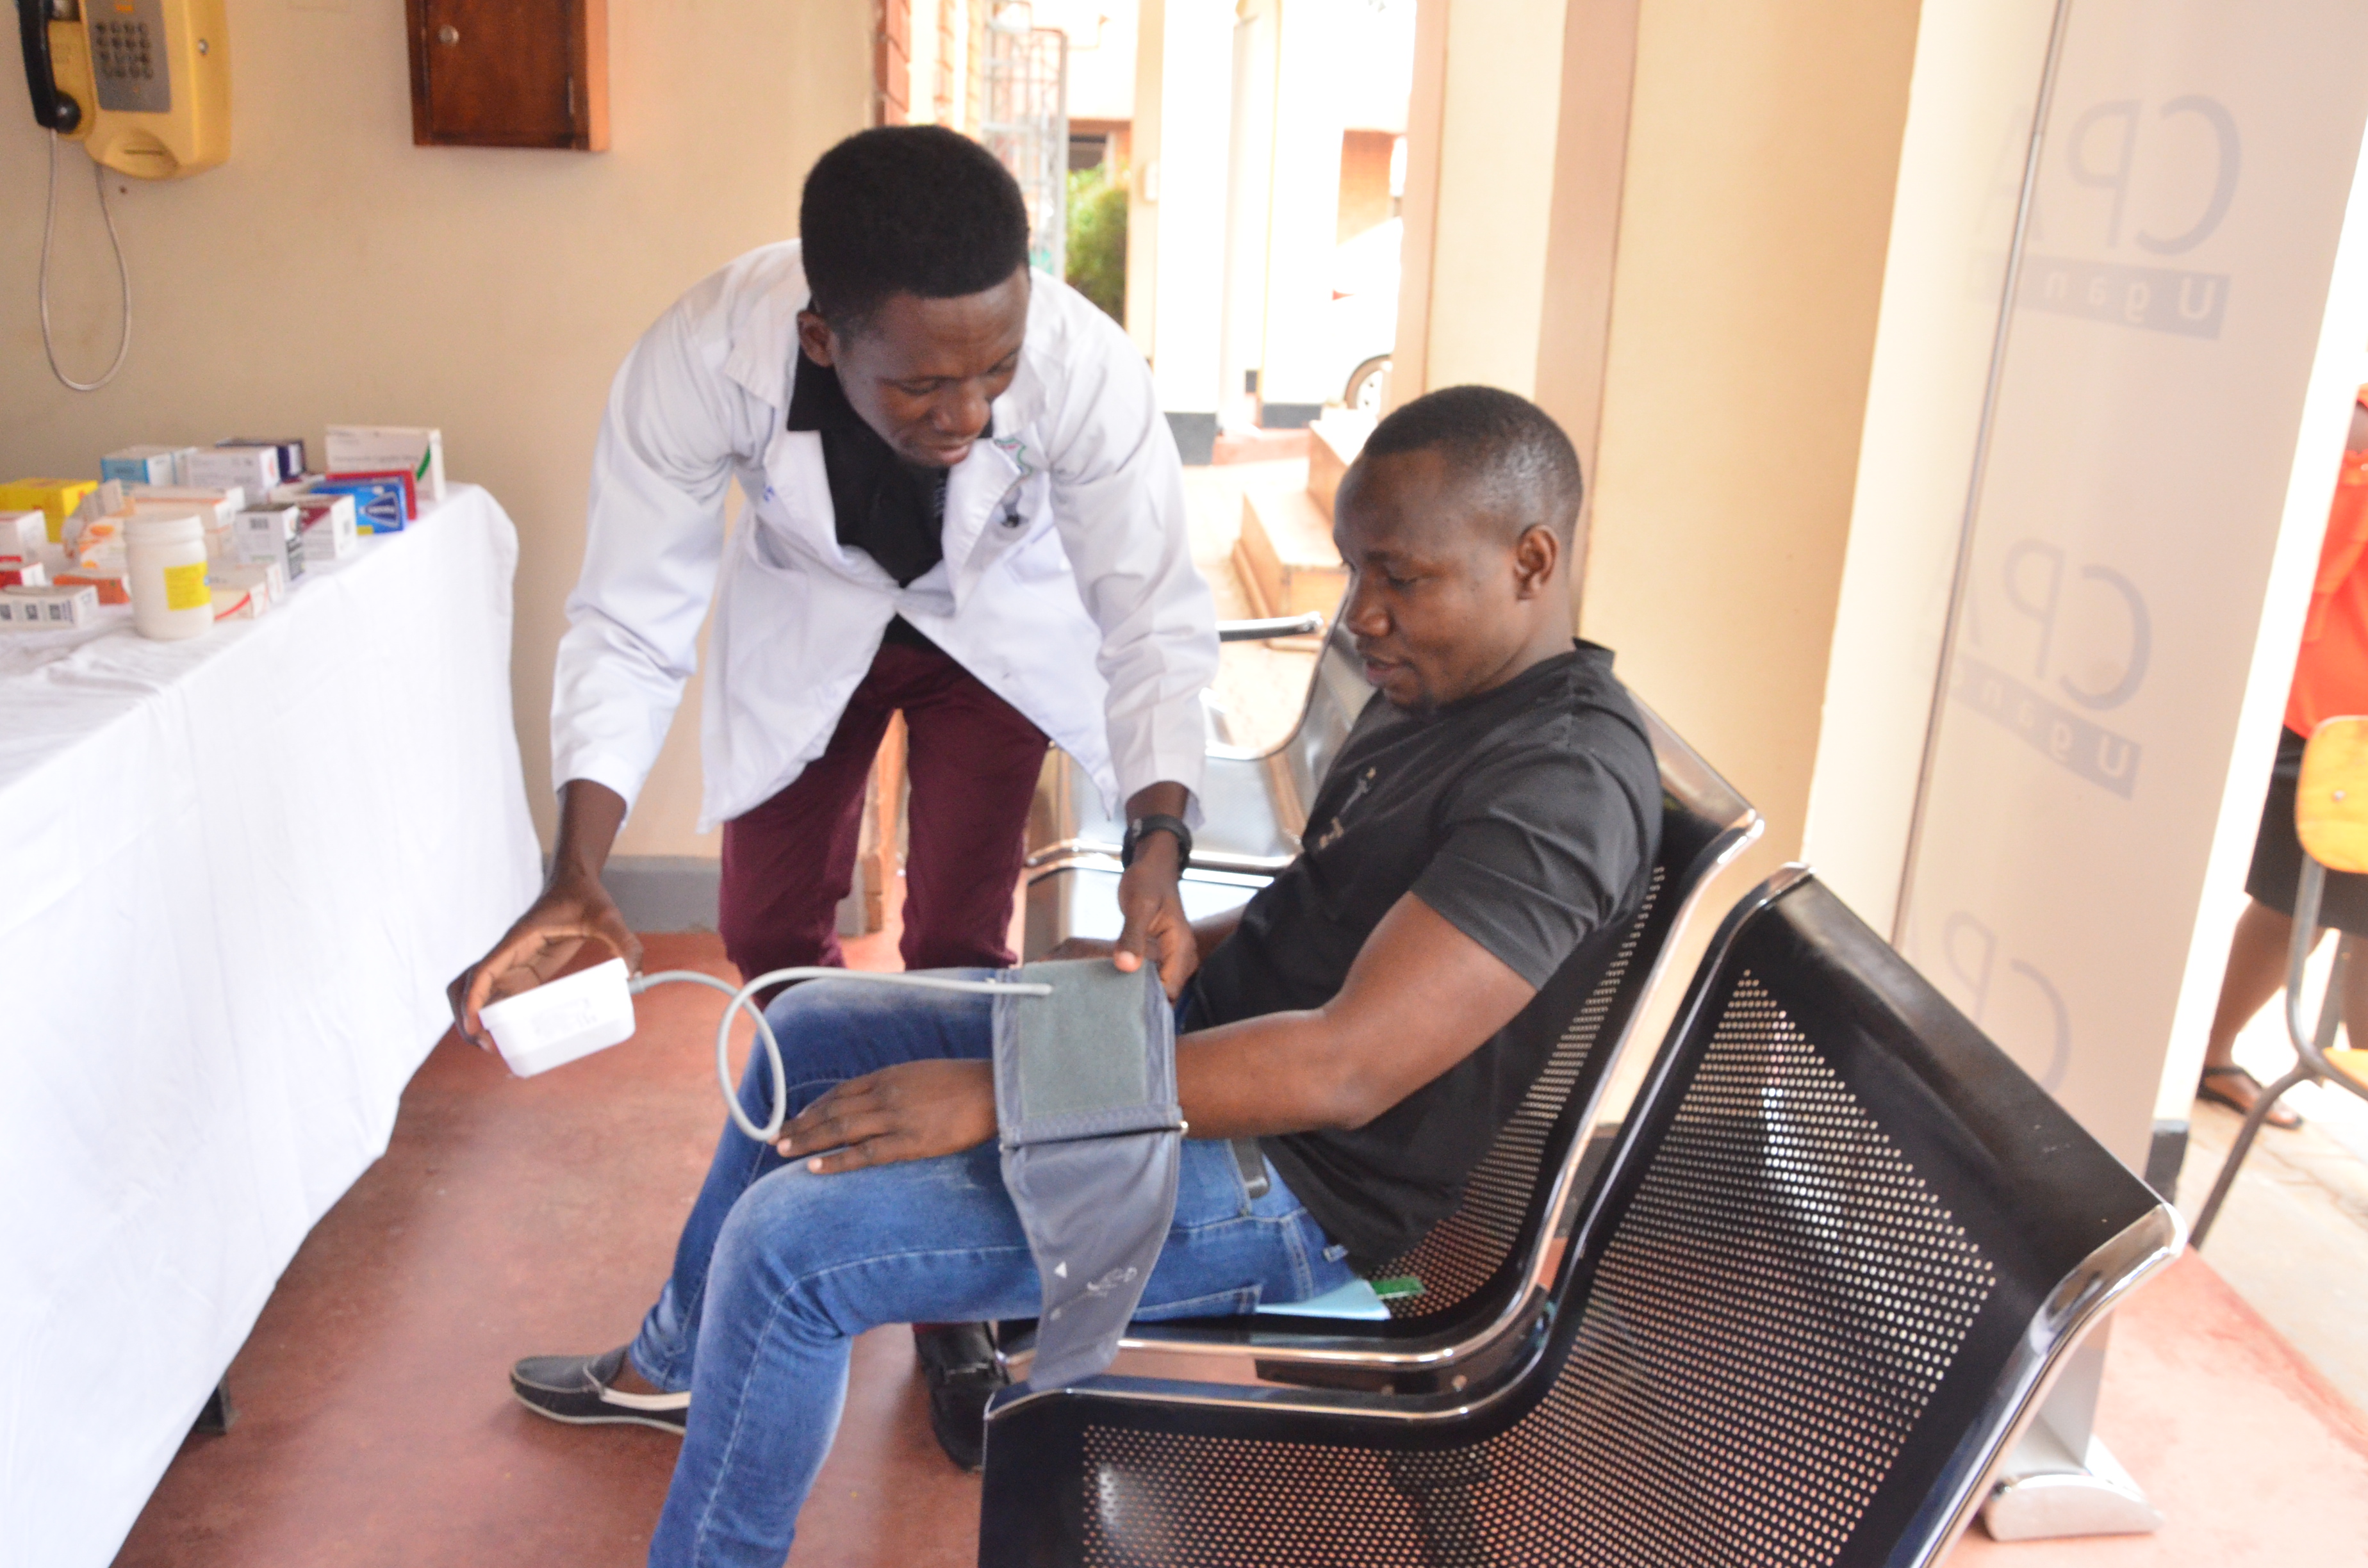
(1157, 822)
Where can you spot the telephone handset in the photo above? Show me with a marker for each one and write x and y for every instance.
(143, 84)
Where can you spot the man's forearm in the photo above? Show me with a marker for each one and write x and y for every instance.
(1165, 799)
(589, 817)
(1420, 997)
(1264, 1075)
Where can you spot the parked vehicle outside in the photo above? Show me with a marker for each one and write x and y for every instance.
(1362, 322)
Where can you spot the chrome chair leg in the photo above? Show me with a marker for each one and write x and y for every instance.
(2263, 1104)
(2309, 1048)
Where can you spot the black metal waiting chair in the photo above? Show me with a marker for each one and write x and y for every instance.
(1483, 1272)
(1833, 1260)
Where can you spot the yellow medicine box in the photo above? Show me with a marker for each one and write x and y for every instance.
(54, 498)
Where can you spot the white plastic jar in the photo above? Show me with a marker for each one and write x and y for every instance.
(167, 563)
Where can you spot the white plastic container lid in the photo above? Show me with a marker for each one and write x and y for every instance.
(186, 528)
(564, 1019)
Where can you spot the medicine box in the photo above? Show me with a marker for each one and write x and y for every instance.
(51, 608)
(218, 504)
(290, 449)
(147, 465)
(378, 503)
(23, 571)
(362, 448)
(20, 531)
(112, 587)
(100, 546)
(107, 501)
(243, 593)
(329, 529)
(55, 499)
(271, 535)
(396, 477)
(253, 469)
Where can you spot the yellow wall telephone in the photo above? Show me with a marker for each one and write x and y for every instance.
(143, 84)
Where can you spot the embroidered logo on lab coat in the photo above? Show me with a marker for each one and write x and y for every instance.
(1013, 448)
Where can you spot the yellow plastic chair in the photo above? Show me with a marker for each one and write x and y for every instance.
(2332, 819)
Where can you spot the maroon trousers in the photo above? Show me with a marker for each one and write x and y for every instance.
(972, 760)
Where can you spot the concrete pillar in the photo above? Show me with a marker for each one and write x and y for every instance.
(1590, 155)
(1295, 372)
(1142, 208)
(1249, 205)
(1481, 133)
(1175, 220)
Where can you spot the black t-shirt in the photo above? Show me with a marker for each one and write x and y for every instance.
(1528, 817)
(892, 510)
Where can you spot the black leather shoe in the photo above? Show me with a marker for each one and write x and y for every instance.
(576, 1389)
(958, 1362)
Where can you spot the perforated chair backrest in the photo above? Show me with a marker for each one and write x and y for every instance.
(1841, 1245)
(1482, 1251)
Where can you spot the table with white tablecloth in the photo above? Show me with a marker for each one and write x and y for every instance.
(238, 872)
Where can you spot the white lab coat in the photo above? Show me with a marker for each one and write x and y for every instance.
(1067, 584)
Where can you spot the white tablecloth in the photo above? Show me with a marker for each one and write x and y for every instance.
(239, 871)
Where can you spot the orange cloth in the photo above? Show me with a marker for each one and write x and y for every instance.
(2332, 676)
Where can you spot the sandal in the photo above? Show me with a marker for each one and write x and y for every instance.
(2279, 1117)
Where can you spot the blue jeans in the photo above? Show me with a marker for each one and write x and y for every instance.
(778, 1268)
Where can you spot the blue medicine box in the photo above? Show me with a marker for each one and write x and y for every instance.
(144, 465)
(378, 503)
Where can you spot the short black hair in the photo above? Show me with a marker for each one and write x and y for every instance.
(1500, 443)
(908, 209)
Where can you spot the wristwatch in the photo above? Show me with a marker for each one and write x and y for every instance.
(1157, 822)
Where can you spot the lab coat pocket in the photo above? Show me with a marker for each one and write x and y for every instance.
(1040, 559)
(1019, 530)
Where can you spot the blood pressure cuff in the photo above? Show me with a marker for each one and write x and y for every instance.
(1085, 1095)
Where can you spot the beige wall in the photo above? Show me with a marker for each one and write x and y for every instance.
(1762, 148)
(332, 271)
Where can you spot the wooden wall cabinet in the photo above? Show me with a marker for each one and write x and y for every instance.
(509, 73)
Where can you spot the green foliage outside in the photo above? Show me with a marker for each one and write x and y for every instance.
(1096, 260)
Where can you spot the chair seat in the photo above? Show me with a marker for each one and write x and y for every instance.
(2352, 1067)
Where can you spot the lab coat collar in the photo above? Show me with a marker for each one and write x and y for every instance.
(983, 484)
(763, 340)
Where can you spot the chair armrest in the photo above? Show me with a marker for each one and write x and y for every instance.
(1308, 625)
(1252, 1352)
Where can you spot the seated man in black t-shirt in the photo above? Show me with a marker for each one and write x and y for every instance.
(1372, 1017)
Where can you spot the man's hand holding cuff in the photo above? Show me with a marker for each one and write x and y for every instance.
(1152, 908)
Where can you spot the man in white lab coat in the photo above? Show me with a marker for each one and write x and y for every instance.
(962, 503)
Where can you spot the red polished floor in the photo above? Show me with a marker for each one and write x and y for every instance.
(508, 1218)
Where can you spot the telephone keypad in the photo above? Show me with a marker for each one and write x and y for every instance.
(127, 55)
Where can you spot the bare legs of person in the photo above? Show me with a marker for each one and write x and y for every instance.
(2257, 974)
